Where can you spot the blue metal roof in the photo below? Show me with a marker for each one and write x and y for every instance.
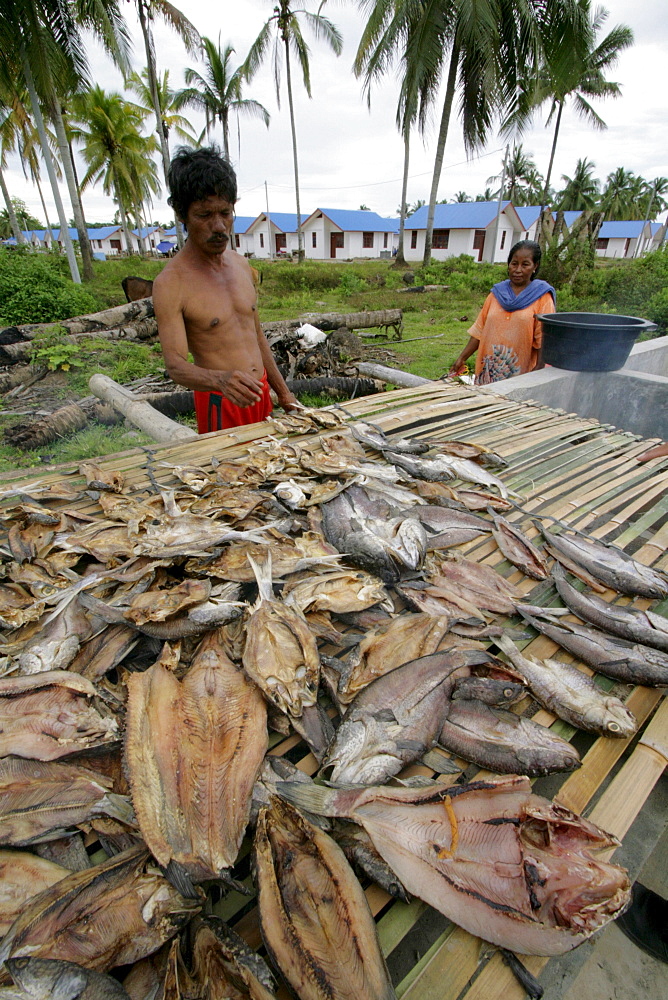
(285, 221)
(170, 232)
(243, 222)
(145, 231)
(359, 221)
(569, 217)
(102, 232)
(528, 214)
(620, 230)
(458, 215)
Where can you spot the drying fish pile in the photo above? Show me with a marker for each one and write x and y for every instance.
(155, 647)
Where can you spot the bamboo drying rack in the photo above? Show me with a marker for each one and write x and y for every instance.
(571, 468)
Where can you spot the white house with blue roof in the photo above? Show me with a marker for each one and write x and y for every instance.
(626, 239)
(467, 227)
(530, 218)
(272, 236)
(337, 233)
(243, 243)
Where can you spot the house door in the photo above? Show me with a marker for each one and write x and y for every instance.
(116, 245)
(479, 242)
(281, 242)
(335, 243)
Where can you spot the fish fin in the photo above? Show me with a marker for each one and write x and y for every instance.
(438, 761)
(527, 981)
(314, 798)
(119, 807)
(177, 875)
(263, 576)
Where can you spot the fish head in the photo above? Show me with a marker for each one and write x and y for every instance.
(364, 752)
(47, 979)
(619, 720)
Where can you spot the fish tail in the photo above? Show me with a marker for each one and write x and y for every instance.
(314, 798)
(119, 807)
(262, 573)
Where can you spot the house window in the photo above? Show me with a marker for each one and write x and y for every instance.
(314, 239)
(414, 239)
(503, 240)
(601, 244)
(384, 241)
(261, 241)
(440, 239)
(237, 241)
(367, 241)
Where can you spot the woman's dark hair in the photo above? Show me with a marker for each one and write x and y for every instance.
(195, 174)
(533, 248)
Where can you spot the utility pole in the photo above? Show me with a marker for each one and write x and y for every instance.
(498, 204)
(266, 198)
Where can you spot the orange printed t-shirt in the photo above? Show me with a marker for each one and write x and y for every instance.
(509, 341)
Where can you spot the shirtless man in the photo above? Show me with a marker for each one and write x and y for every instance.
(206, 304)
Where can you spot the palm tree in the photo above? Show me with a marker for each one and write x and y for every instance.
(115, 151)
(382, 41)
(487, 195)
(520, 177)
(462, 196)
(148, 10)
(218, 92)
(582, 189)
(572, 66)
(285, 29)
(41, 40)
(616, 197)
(169, 104)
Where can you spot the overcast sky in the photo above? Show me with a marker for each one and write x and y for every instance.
(349, 156)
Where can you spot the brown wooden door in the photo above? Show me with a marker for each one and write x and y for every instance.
(479, 242)
(335, 243)
(281, 242)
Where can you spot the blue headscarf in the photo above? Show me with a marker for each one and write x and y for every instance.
(505, 296)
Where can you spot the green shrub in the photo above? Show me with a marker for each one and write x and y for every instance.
(35, 288)
(350, 283)
(657, 311)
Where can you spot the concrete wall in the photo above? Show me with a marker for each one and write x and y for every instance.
(635, 398)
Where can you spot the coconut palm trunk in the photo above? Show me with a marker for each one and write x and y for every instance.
(41, 198)
(400, 260)
(440, 149)
(46, 155)
(548, 176)
(153, 87)
(288, 80)
(11, 214)
(77, 209)
(125, 227)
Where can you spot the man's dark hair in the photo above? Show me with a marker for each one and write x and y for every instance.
(195, 174)
(533, 248)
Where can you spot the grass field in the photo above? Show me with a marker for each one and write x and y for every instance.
(435, 324)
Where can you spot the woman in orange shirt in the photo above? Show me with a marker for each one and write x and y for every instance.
(506, 334)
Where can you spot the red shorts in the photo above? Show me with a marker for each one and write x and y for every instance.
(215, 413)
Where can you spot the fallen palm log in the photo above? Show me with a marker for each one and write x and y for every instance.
(22, 378)
(337, 388)
(334, 321)
(393, 375)
(140, 413)
(107, 319)
(423, 288)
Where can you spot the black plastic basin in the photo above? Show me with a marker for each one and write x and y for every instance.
(590, 342)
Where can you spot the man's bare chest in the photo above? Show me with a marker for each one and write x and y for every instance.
(212, 304)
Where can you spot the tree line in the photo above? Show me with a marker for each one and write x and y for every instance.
(500, 61)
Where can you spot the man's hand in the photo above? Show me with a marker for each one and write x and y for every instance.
(289, 402)
(239, 387)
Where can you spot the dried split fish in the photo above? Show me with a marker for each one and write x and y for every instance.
(44, 801)
(503, 863)
(314, 916)
(22, 876)
(51, 715)
(193, 750)
(225, 967)
(114, 913)
(475, 582)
